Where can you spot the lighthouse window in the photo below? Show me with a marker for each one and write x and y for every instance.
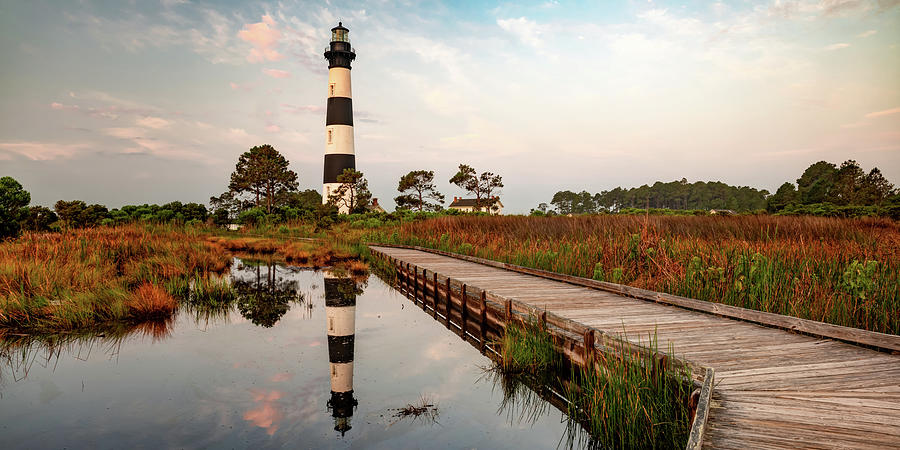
(329, 136)
(339, 36)
(331, 89)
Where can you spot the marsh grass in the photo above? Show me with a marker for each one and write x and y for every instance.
(53, 282)
(840, 271)
(297, 253)
(625, 400)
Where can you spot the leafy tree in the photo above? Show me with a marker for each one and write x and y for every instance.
(70, 212)
(92, 216)
(816, 182)
(483, 187)
(263, 174)
(541, 210)
(13, 197)
(221, 217)
(784, 196)
(848, 181)
(352, 196)
(38, 218)
(875, 188)
(417, 187)
(307, 200)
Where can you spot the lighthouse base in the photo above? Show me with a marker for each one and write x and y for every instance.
(330, 188)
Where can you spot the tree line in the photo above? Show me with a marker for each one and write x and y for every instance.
(261, 189)
(823, 189)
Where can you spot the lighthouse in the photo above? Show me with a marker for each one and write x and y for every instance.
(340, 314)
(339, 154)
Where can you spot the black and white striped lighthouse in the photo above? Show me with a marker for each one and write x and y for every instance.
(339, 153)
(340, 312)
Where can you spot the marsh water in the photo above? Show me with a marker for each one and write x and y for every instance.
(303, 359)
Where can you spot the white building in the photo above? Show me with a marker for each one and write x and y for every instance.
(495, 207)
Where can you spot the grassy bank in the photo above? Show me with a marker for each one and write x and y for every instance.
(67, 281)
(840, 271)
(96, 278)
(624, 401)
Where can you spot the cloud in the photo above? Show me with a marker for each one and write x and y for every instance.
(837, 46)
(294, 109)
(275, 73)
(61, 107)
(866, 34)
(124, 132)
(886, 112)
(238, 132)
(153, 122)
(528, 31)
(39, 151)
(265, 39)
(273, 128)
(268, 413)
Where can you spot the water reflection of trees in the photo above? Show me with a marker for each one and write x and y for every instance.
(20, 352)
(262, 295)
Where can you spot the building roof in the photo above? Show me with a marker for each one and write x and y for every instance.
(471, 202)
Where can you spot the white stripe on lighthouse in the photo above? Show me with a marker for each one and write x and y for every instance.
(339, 139)
(339, 82)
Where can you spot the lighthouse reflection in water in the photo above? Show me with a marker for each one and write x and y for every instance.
(340, 312)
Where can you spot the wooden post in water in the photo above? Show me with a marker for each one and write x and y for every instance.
(483, 331)
(434, 296)
(588, 348)
(447, 302)
(462, 308)
(415, 284)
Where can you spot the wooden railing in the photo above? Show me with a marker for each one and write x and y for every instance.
(481, 317)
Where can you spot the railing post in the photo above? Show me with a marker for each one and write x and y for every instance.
(416, 285)
(483, 320)
(447, 302)
(462, 308)
(405, 278)
(588, 348)
(434, 296)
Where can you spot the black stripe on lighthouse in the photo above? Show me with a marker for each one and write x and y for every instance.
(340, 349)
(340, 111)
(335, 163)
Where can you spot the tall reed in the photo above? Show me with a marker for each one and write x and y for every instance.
(625, 400)
(840, 271)
(53, 281)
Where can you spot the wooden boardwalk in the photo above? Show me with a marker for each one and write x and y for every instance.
(774, 388)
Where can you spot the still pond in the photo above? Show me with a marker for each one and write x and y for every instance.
(304, 359)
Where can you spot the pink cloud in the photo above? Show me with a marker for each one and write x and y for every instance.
(886, 112)
(60, 107)
(283, 376)
(273, 128)
(264, 37)
(267, 413)
(275, 73)
(242, 87)
(39, 151)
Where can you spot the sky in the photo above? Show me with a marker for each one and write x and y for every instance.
(118, 102)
